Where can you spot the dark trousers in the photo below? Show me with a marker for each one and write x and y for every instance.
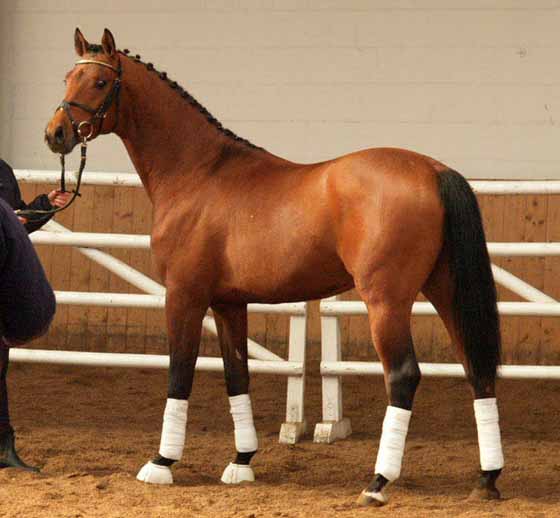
(4, 410)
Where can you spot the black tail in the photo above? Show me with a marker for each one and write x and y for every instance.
(476, 311)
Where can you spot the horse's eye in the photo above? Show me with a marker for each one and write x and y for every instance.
(100, 84)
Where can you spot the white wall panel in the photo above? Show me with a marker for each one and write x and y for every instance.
(474, 83)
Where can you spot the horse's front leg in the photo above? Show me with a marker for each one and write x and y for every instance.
(231, 322)
(184, 323)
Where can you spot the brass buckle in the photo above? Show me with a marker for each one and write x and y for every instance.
(85, 137)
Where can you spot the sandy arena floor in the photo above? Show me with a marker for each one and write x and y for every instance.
(92, 429)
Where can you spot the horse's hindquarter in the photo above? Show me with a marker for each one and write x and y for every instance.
(389, 219)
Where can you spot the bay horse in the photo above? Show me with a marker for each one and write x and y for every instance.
(233, 224)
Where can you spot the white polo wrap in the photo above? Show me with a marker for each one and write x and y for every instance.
(391, 445)
(489, 441)
(244, 429)
(174, 428)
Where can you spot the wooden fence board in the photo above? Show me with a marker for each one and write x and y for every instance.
(127, 210)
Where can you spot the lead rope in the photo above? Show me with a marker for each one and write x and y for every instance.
(76, 191)
(62, 173)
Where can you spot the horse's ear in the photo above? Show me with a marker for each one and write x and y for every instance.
(80, 43)
(108, 43)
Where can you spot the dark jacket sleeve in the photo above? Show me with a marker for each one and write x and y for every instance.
(9, 188)
(36, 222)
(10, 193)
(27, 303)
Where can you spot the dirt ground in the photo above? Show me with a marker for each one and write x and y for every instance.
(92, 429)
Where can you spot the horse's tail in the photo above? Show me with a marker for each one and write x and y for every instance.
(475, 301)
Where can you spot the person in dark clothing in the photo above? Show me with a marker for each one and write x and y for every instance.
(10, 193)
(27, 306)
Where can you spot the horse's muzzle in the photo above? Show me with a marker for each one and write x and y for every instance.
(59, 135)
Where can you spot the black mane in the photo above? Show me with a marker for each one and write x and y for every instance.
(184, 94)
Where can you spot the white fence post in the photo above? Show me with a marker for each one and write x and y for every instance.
(334, 426)
(295, 425)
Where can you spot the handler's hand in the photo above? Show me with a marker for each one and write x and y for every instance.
(59, 198)
(23, 220)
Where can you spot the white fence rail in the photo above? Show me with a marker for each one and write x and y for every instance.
(144, 361)
(133, 180)
(520, 309)
(334, 425)
(441, 370)
(128, 300)
(101, 240)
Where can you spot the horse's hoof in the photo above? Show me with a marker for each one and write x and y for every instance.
(154, 474)
(369, 498)
(237, 473)
(484, 493)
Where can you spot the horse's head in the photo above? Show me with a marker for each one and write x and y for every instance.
(91, 102)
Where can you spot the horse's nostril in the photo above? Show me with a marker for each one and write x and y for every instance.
(59, 135)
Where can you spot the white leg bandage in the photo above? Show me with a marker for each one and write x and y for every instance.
(489, 441)
(391, 445)
(244, 429)
(173, 430)
(171, 445)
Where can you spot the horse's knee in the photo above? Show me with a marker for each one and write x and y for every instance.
(403, 381)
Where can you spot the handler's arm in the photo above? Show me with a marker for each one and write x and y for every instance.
(27, 302)
(34, 223)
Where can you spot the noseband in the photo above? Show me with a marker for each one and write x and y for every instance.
(84, 130)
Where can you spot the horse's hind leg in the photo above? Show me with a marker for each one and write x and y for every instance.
(390, 330)
(439, 290)
(231, 322)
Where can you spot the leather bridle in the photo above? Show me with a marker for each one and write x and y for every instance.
(84, 131)
(97, 114)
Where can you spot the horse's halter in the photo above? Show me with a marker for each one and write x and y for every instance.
(97, 116)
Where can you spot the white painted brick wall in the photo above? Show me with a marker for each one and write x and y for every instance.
(473, 83)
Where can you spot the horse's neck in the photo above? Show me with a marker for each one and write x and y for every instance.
(170, 142)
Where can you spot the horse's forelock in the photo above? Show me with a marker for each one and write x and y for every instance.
(94, 48)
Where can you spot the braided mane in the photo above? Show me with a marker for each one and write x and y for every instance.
(96, 49)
